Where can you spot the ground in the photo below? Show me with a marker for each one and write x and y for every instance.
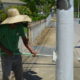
(47, 38)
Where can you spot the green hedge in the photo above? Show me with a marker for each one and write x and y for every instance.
(2, 15)
(76, 14)
(23, 10)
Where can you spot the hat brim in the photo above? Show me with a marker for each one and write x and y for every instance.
(17, 19)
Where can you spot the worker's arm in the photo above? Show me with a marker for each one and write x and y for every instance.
(25, 40)
(26, 43)
(8, 52)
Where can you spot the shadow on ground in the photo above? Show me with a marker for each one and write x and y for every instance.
(31, 75)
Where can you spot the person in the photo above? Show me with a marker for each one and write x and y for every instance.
(10, 31)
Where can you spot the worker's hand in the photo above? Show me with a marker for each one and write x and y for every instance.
(34, 53)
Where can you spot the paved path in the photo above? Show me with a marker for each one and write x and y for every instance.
(47, 38)
(39, 68)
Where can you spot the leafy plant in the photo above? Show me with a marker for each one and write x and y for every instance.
(2, 15)
(22, 9)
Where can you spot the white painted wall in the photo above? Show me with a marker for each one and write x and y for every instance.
(37, 29)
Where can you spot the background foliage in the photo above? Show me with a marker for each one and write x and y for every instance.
(36, 9)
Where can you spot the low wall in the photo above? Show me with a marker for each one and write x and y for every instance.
(37, 27)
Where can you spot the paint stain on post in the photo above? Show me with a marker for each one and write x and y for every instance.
(63, 4)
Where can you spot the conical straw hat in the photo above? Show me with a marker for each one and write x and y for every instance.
(14, 17)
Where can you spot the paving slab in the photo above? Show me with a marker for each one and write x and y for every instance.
(39, 68)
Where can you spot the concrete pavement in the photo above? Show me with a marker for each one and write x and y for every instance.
(39, 68)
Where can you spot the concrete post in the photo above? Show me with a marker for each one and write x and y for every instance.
(64, 48)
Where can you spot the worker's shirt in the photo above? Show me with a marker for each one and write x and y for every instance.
(9, 37)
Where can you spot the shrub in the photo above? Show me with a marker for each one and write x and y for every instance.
(2, 15)
(23, 10)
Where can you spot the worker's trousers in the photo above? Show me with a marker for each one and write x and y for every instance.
(12, 63)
